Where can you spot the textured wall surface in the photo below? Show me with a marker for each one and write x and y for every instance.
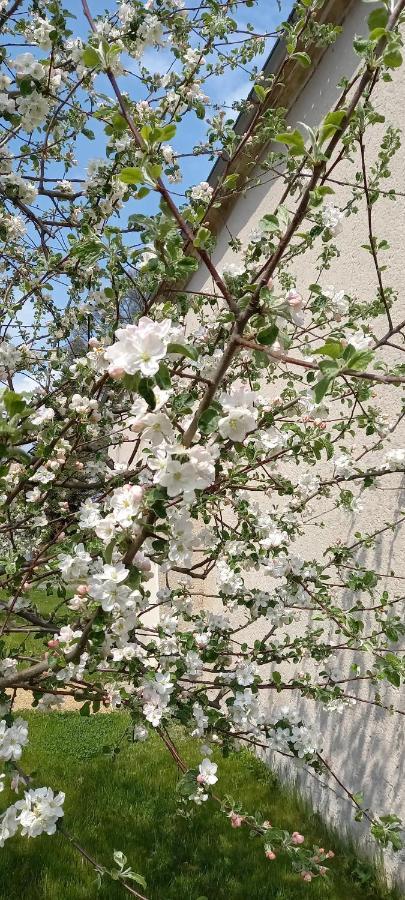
(365, 746)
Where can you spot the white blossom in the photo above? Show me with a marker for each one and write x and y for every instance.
(43, 414)
(13, 738)
(394, 459)
(208, 770)
(140, 348)
(332, 218)
(202, 192)
(40, 811)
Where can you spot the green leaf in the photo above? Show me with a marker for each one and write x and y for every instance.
(261, 359)
(207, 420)
(130, 382)
(329, 366)
(321, 387)
(393, 677)
(145, 390)
(162, 377)
(360, 45)
(378, 18)
(146, 132)
(185, 266)
(267, 335)
(376, 34)
(303, 59)
(85, 709)
(189, 352)
(131, 175)
(89, 251)
(138, 878)
(294, 140)
(119, 123)
(154, 171)
(200, 110)
(143, 192)
(202, 237)
(334, 349)
(324, 190)
(331, 124)
(91, 58)
(392, 59)
(231, 181)
(13, 402)
(168, 132)
(260, 92)
(360, 359)
(271, 220)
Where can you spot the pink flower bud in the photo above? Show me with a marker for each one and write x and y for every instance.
(142, 562)
(200, 779)
(79, 465)
(330, 854)
(294, 299)
(297, 838)
(93, 342)
(82, 589)
(270, 854)
(236, 821)
(116, 373)
(306, 876)
(53, 644)
(136, 490)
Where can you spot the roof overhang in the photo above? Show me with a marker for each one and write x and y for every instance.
(283, 94)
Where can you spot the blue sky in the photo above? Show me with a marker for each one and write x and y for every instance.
(234, 86)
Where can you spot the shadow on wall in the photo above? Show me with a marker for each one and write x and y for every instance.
(364, 745)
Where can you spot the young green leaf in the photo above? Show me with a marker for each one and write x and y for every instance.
(91, 58)
(267, 335)
(303, 58)
(189, 352)
(131, 175)
(321, 387)
(145, 390)
(294, 140)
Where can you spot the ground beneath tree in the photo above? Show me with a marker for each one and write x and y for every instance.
(23, 700)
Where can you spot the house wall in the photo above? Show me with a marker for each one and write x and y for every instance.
(365, 746)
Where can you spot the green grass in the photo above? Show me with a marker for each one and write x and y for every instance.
(26, 642)
(128, 803)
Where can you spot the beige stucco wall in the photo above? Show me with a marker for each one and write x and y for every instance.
(365, 746)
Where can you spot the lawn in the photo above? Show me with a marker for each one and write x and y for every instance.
(26, 641)
(127, 802)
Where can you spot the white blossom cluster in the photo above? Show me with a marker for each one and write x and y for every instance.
(38, 813)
